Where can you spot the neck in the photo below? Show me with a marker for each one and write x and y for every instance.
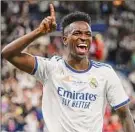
(77, 64)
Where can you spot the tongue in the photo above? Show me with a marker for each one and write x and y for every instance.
(81, 50)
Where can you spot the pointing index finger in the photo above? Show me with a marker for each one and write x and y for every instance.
(52, 11)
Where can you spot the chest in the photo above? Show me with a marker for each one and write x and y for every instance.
(79, 82)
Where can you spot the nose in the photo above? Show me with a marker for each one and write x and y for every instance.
(83, 37)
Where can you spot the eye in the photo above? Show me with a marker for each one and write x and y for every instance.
(76, 33)
(88, 34)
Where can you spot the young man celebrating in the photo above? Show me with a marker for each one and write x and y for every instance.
(76, 90)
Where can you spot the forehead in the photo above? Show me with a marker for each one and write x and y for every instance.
(80, 25)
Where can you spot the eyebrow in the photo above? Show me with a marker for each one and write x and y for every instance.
(77, 30)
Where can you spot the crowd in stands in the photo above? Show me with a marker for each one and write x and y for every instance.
(21, 94)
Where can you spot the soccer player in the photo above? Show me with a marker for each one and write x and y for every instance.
(76, 89)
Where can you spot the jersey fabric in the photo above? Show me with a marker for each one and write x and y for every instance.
(75, 101)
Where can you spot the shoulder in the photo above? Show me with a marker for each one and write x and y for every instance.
(56, 58)
(49, 64)
(51, 59)
(103, 68)
(97, 64)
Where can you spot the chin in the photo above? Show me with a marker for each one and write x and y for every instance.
(79, 57)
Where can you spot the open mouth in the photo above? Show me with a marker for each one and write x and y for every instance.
(82, 48)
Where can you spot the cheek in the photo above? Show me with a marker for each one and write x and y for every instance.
(90, 42)
(72, 43)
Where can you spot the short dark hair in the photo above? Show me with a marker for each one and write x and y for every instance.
(73, 17)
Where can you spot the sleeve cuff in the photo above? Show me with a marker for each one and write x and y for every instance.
(121, 104)
(35, 66)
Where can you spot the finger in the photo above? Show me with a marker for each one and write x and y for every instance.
(49, 18)
(53, 23)
(52, 11)
(46, 24)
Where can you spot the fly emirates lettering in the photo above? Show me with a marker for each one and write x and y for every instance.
(76, 99)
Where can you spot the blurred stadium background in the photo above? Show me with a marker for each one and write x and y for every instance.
(113, 26)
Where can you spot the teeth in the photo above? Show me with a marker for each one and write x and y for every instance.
(83, 45)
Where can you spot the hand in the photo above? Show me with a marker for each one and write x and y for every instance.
(48, 24)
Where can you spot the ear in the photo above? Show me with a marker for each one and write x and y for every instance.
(65, 41)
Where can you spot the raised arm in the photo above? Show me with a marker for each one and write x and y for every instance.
(126, 119)
(13, 51)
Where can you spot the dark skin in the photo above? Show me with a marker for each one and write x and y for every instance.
(13, 51)
(126, 119)
(76, 33)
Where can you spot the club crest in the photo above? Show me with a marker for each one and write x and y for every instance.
(93, 82)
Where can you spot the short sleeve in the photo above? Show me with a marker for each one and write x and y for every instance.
(116, 95)
(42, 68)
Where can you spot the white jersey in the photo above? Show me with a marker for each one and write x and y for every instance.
(75, 101)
